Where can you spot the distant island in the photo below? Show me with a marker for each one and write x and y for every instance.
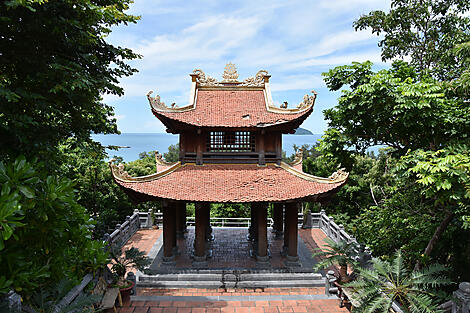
(302, 131)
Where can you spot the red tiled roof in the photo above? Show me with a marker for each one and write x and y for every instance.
(231, 108)
(230, 183)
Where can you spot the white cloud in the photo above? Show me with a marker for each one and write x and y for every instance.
(295, 41)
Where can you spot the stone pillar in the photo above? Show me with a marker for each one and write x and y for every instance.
(462, 298)
(200, 234)
(184, 218)
(278, 217)
(286, 233)
(180, 219)
(169, 232)
(262, 226)
(292, 259)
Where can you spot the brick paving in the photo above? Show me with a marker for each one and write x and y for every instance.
(143, 239)
(232, 292)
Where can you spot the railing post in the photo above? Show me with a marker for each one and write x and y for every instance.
(330, 284)
(149, 219)
(11, 302)
(119, 235)
(340, 230)
(131, 277)
(462, 298)
(320, 222)
(136, 211)
(330, 221)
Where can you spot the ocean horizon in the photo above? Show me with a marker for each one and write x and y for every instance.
(137, 143)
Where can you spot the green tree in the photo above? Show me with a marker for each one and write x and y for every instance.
(426, 31)
(173, 154)
(54, 69)
(393, 108)
(54, 237)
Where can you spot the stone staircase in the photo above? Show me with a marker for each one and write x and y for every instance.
(232, 279)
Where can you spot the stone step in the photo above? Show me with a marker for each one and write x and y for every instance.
(247, 284)
(232, 277)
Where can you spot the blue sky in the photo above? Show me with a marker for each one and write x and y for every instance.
(295, 41)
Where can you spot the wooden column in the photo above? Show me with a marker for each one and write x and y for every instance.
(180, 219)
(200, 234)
(251, 229)
(254, 210)
(292, 231)
(169, 231)
(278, 148)
(207, 215)
(278, 217)
(261, 152)
(262, 226)
(199, 147)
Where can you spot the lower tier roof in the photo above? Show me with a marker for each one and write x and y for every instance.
(235, 183)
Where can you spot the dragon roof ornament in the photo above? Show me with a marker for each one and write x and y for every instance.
(308, 100)
(118, 170)
(257, 81)
(160, 161)
(205, 81)
(339, 175)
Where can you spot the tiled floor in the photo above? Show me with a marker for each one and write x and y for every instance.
(230, 249)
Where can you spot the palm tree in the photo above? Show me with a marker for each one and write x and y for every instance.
(378, 287)
(340, 253)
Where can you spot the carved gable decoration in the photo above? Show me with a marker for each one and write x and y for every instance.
(230, 73)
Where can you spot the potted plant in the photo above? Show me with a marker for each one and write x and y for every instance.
(340, 253)
(131, 258)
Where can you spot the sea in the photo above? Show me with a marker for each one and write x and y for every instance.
(135, 143)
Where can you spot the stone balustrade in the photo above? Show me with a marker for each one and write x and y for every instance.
(123, 232)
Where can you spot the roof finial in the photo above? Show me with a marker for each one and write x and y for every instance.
(230, 73)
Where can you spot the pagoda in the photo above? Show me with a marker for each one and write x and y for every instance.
(230, 151)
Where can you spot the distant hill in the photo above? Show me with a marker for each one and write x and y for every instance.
(302, 131)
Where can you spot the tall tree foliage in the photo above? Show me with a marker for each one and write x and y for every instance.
(426, 31)
(55, 65)
(421, 110)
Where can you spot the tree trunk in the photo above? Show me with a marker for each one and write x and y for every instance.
(437, 235)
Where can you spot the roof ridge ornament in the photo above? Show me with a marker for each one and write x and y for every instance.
(155, 102)
(160, 161)
(230, 73)
(339, 175)
(257, 81)
(118, 170)
(203, 81)
(308, 100)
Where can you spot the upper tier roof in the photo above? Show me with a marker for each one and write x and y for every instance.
(230, 103)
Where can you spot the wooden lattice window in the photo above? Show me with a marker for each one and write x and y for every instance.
(238, 141)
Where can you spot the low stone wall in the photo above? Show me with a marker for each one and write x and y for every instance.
(126, 230)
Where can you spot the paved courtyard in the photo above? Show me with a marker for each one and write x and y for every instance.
(230, 250)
